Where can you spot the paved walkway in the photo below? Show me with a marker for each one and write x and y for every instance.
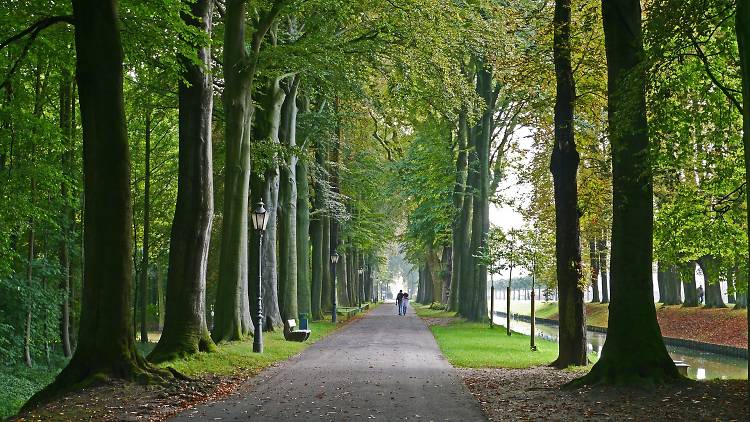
(382, 367)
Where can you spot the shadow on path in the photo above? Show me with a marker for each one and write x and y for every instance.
(383, 367)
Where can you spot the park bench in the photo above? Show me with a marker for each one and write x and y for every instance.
(682, 367)
(292, 334)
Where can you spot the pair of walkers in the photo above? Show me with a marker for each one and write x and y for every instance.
(402, 300)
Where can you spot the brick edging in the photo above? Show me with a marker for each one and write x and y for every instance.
(722, 349)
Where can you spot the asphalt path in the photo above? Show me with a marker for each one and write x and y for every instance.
(383, 367)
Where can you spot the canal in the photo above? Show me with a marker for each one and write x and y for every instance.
(703, 365)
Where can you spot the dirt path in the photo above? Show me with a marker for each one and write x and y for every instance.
(383, 367)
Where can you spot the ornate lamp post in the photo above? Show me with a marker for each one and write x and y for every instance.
(334, 261)
(361, 294)
(260, 219)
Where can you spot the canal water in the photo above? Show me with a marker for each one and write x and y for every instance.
(703, 365)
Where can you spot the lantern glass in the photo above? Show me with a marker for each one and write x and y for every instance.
(334, 258)
(260, 217)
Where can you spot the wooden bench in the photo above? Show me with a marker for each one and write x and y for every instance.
(682, 367)
(291, 334)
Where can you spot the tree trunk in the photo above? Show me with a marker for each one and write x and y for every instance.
(318, 261)
(428, 284)
(634, 351)
(238, 110)
(687, 275)
(288, 206)
(661, 277)
(106, 347)
(304, 294)
(185, 330)
(730, 287)
(437, 281)
(66, 221)
(232, 313)
(342, 281)
(459, 232)
(675, 285)
(421, 285)
(742, 29)
(594, 258)
(602, 248)
(143, 286)
(446, 273)
(711, 282)
(476, 296)
(29, 278)
(326, 289)
(564, 168)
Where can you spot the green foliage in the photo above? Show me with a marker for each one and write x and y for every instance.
(425, 185)
(18, 296)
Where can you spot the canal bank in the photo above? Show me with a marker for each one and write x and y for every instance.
(707, 361)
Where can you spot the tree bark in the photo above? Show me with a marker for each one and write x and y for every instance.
(238, 110)
(742, 29)
(594, 259)
(185, 330)
(687, 275)
(304, 293)
(143, 286)
(564, 168)
(634, 351)
(288, 206)
(437, 281)
(232, 313)
(662, 285)
(459, 232)
(476, 297)
(326, 288)
(106, 347)
(602, 248)
(711, 282)
(66, 221)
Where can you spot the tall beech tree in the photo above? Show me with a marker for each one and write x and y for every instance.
(287, 135)
(106, 345)
(564, 168)
(480, 221)
(304, 287)
(185, 331)
(742, 28)
(231, 321)
(634, 351)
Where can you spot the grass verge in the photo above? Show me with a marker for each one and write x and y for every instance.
(476, 345)
(238, 356)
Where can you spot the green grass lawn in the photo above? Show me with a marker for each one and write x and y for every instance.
(238, 356)
(476, 345)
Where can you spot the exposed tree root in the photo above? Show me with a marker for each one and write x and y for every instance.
(646, 375)
(80, 374)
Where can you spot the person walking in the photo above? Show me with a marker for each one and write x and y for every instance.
(399, 300)
(700, 294)
(404, 303)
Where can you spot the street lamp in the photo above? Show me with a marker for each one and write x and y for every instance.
(361, 294)
(334, 261)
(260, 220)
